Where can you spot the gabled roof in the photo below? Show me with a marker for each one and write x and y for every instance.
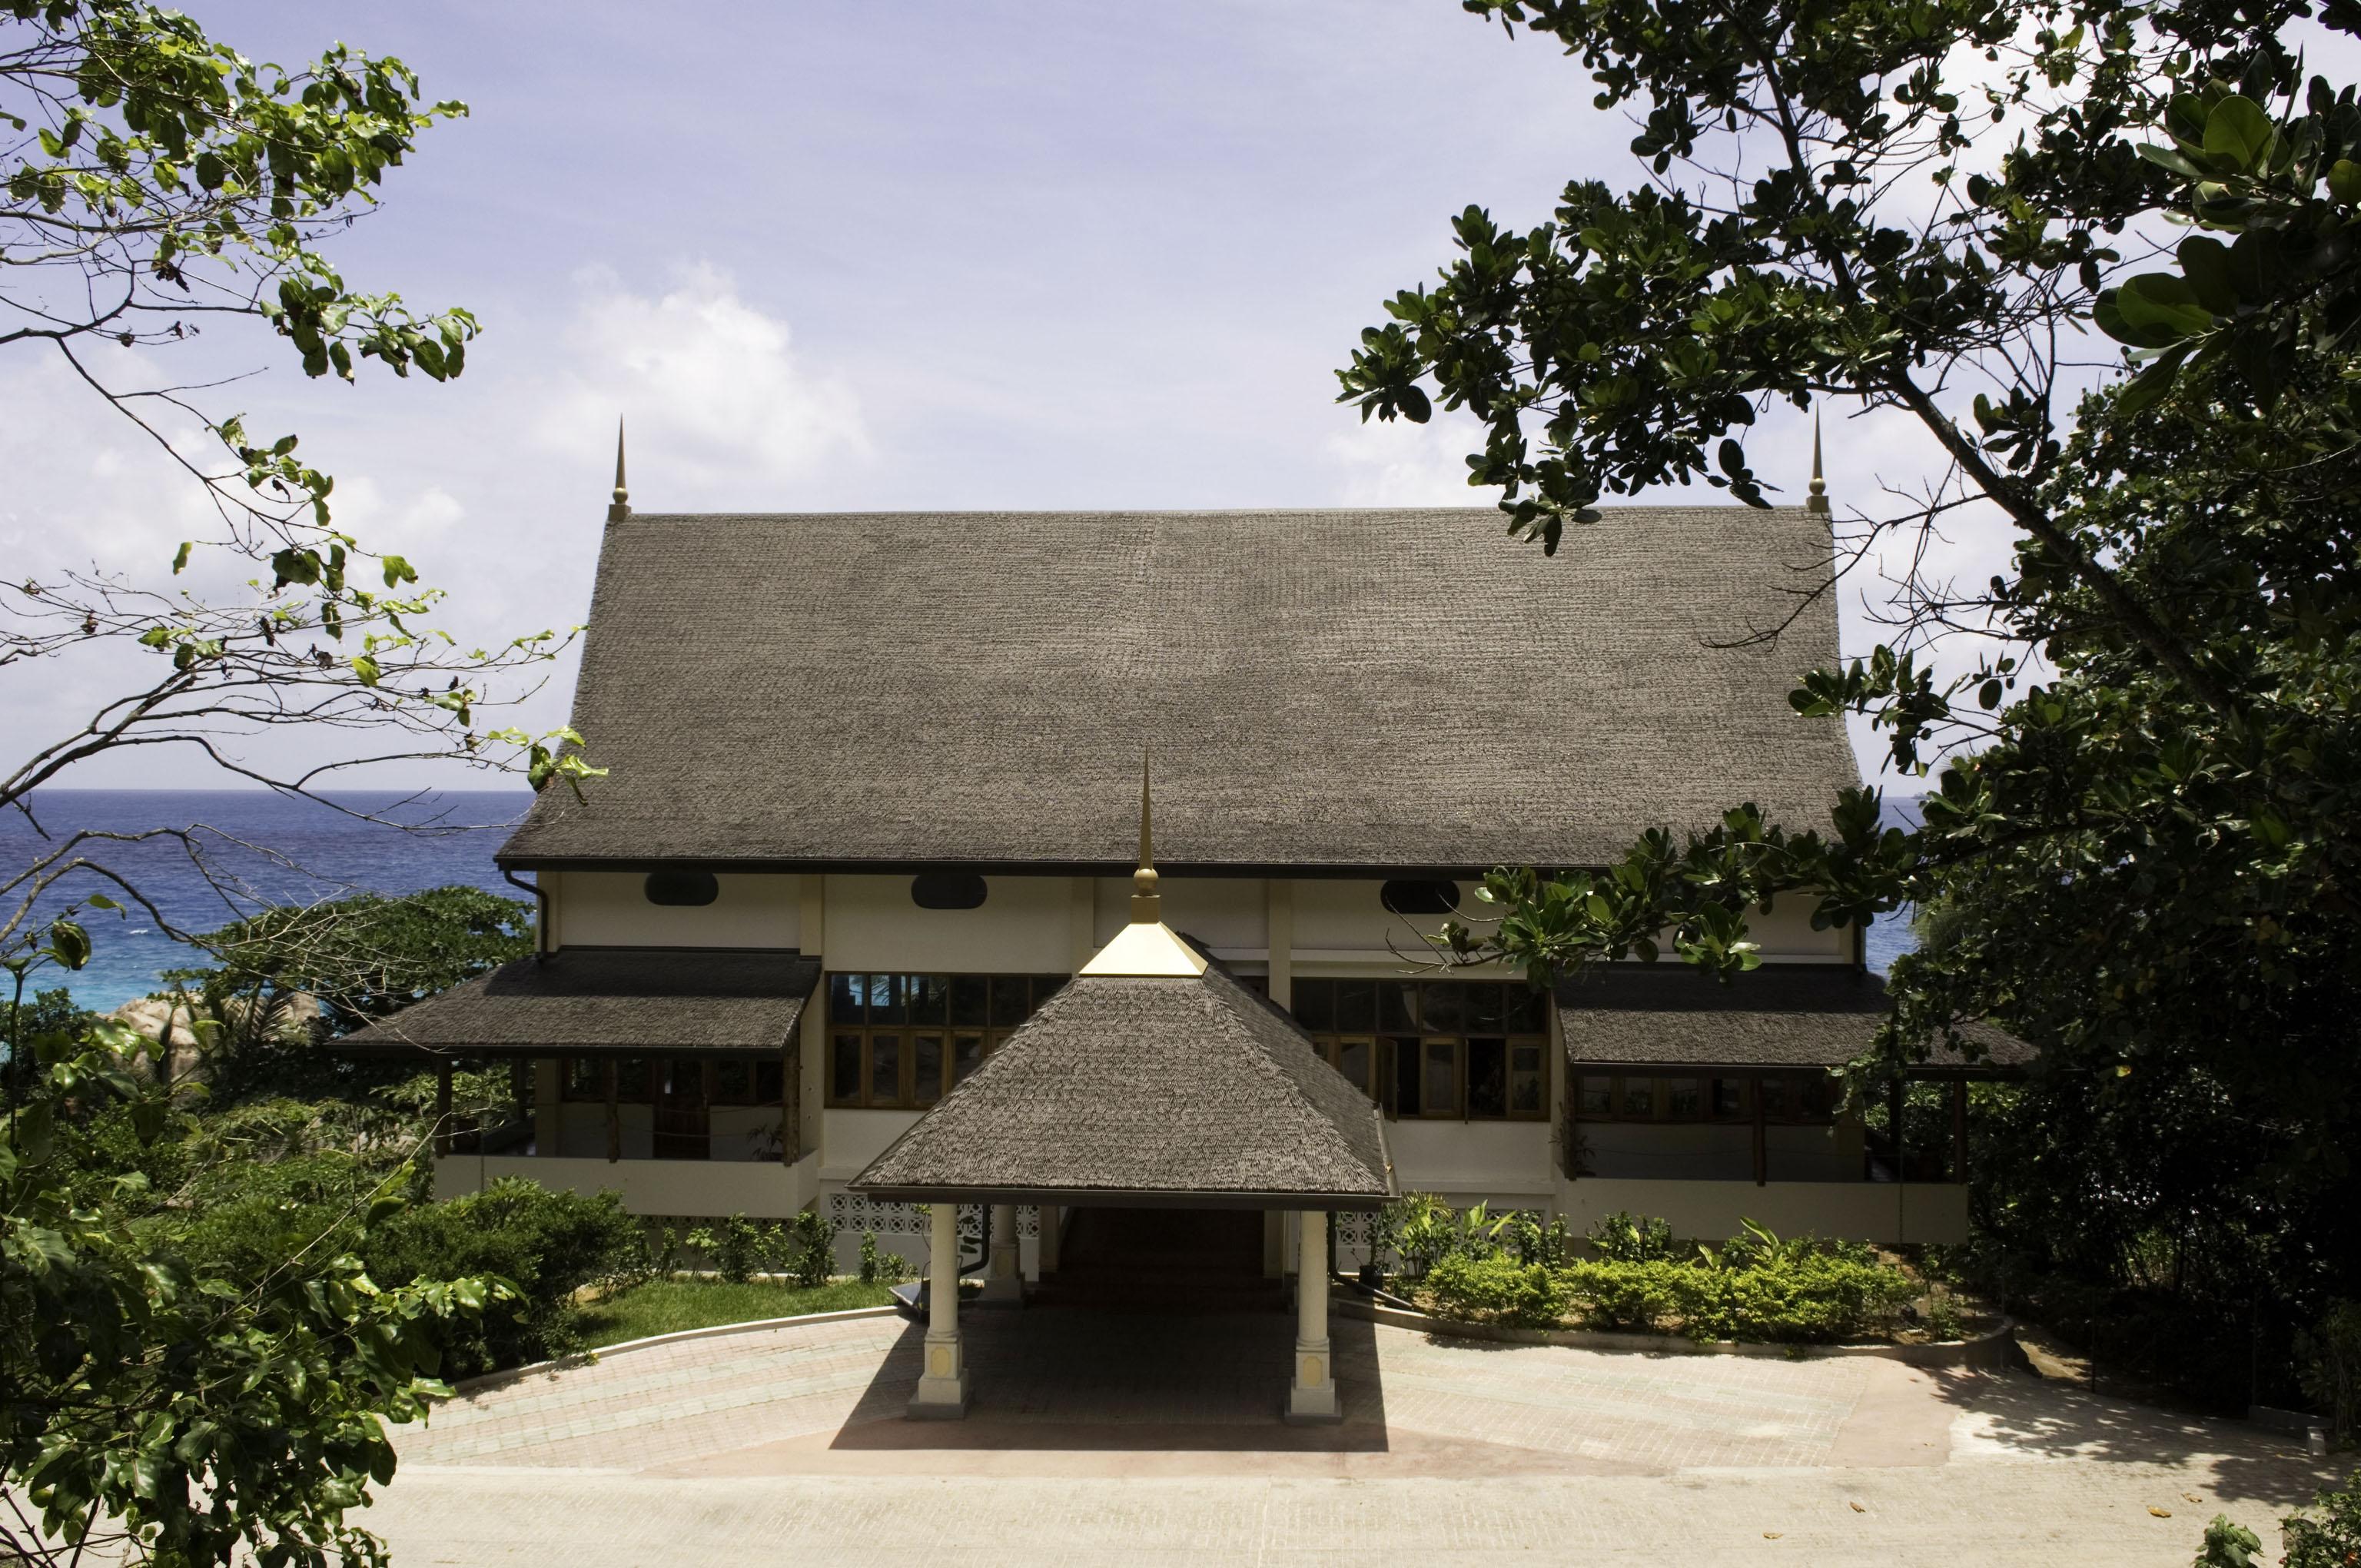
(1346, 690)
(607, 1001)
(1627, 1015)
(1187, 1091)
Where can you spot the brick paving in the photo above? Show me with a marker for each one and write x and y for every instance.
(1104, 1438)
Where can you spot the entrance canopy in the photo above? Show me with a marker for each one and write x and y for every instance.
(608, 1001)
(1150, 1078)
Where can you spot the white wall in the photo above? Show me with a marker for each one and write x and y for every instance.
(761, 1190)
(611, 909)
(1229, 915)
(851, 1138)
(1884, 1211)
(1476, 1158)
(1021, 927)
(1723, 1151)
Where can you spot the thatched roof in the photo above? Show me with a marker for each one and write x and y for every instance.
(1618, 1017)
(607, 1001)
(1349, 690)
(1191, 1091)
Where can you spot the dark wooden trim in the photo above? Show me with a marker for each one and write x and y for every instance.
(1762, 1138)
(614, 1117)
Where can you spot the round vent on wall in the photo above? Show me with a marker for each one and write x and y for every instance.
(946, 890)
(682, 887)
(1420, 895)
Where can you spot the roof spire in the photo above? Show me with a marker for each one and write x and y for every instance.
(619, 507)
(1817, 505)
(1146, 907)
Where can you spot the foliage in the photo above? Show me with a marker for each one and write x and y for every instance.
(2142, 858)
(546, 1246)
(2329, 1535)
(2229, 1545)
(1644, 1298)
(2329, 1355)
(674, 1306)
(132, 1385)
(363, 958)
(1621, 1238)
(1523, 1233)
(736, 1247)
(1417, 1228)
(880, 1266)
(812, 1248)
(1497, 1288)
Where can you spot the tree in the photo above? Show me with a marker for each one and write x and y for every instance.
(2144, 855)
(160, 184)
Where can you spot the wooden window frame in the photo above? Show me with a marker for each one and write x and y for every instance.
(1040, 988)
(1749, 1100)
(1382, 1042)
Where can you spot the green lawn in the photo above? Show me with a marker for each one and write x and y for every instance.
(669, 1306)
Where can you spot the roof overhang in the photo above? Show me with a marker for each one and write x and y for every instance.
(1114, 1198)
(607, 1002)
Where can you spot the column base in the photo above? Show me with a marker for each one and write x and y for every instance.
(939, 1399)
(1311, 1395)
(1002, 1290)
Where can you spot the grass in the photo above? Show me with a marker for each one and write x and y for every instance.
(669, 1306)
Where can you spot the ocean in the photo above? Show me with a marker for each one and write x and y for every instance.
(320, 853)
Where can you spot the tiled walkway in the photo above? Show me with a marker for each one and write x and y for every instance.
(1119, 1439)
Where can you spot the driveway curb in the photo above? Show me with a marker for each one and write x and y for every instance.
(715, 1331)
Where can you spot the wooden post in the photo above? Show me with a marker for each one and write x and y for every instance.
(1894, 1099)
(791, 1094)
(1959, 1129)
(1762, 1136)
(443, 1107)
(614, 1118)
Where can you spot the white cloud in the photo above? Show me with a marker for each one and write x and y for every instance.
(716, 399)
(1403, 464)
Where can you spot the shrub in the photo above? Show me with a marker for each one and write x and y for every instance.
(1626, 1238)
(735, 1248)
(1495, 1289)
(1417, 1228)
(812, 1248)
(879, 1266)
(2330, 1535)
(1645, 1296)
(1523, 1232)
(2331, 1352)
(547, 1245)
(1812, 1299)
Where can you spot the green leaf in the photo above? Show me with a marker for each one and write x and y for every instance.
(2345, 180)
(2240, 132)
(70, 942)
(2205, 263)
(2153, 311)
(182, 559)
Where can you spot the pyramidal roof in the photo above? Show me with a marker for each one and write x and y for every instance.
(1152, 1077)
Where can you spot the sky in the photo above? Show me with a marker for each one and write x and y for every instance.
(833, 256)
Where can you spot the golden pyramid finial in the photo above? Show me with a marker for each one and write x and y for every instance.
(1147, 908)
(1817, 503)
(619, 507)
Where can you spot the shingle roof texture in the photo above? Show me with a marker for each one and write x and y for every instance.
(1341, 689)
(629, 1001)
(1782, 1015)
(1180, 1088)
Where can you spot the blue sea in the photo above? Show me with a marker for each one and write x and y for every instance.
(314, 853)
(318, 853)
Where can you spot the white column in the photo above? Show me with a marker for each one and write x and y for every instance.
(1004, 1279)
(1311, 1393)
(942, 1386)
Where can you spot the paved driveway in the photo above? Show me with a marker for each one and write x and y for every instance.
(1137, 1440)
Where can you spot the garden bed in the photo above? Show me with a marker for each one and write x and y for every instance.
(673, 1305)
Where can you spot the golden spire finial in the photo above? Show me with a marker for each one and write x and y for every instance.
(1817, 504)
(619, 507)
(1147, 908)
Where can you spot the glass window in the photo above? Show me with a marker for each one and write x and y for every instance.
(1683, 1100)
(926, 1068)
(1525, 1080)
(1638, 1100)
(1008, 1000)
(1598, 1100)
(631, 1080)
(1440, 1090)
(1528, 1009)
(1485, 1010)
(967, 1055)
(1397, 1005)
(585, 1077)
(1778, 1098)
(1729, 1100)
(927, 998)
(885, 998)
(1488, 1077)
(844, 1070)
(1314, 1006)
(846, 996)
(1353, 1061)
(734, 1082)
(681, 1077)
(885, 1070)
(971, 1000)
(1357, 1007)
(1442, 1005)
(1045, 986)
(770, 1082)
(1407, 1101)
